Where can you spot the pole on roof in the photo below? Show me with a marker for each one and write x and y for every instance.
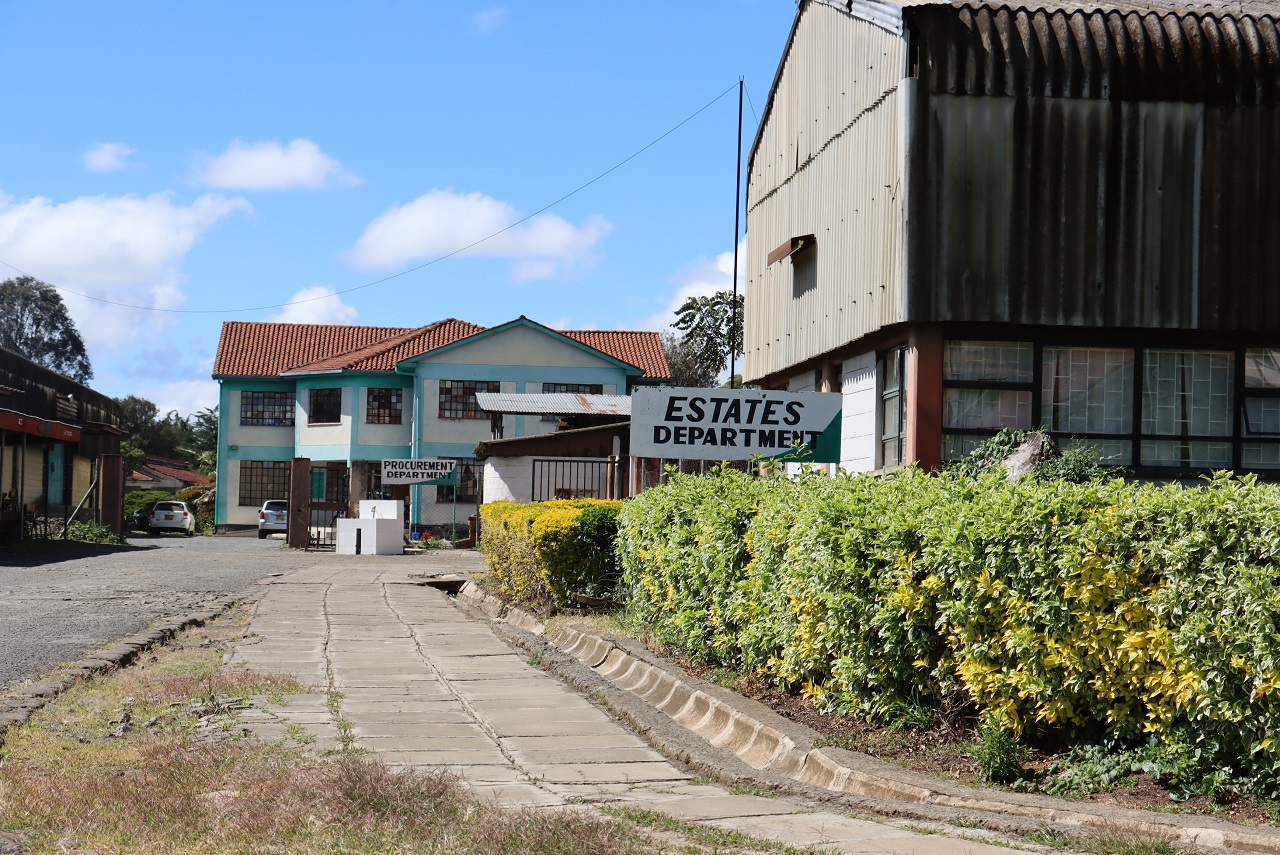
(737, 209)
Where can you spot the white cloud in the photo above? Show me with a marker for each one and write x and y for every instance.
(271, 166)
(490, 19)
(126, 249)
(700, 279)
(442, 222)
(184, 396)
(316, 305)
(107, 157)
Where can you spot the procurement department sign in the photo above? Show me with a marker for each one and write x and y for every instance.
(417, 471)
(735, 424)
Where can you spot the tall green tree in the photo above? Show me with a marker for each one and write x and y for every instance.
(709, 334)
(35, 323)
(168, 436)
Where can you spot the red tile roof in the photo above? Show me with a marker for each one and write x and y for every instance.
(178, 473)
(251, 349)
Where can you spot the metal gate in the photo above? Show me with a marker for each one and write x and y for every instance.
(577, 479)
(329, 502)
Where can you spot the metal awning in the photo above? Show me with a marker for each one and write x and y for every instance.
(554, 404)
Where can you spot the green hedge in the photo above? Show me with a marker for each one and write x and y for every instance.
(1131, 612)
(541, 552)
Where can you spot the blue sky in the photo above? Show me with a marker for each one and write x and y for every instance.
(235, 161)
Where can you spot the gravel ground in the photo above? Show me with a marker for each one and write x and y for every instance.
(55, 607)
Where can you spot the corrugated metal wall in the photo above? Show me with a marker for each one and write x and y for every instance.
(1098, 169)
(828, 162)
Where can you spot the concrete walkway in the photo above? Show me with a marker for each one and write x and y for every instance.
(405, 673)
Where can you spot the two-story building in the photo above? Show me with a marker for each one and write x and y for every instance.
(348, 397)
(969, 217)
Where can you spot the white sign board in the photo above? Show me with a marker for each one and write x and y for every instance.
(416, 471)
(735, 424)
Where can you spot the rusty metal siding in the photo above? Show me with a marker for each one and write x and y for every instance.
(828, 162)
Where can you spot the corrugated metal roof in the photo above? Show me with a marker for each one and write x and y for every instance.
(1130, 51)
(554, 403)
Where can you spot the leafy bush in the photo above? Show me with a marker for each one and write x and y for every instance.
(143, 500)
(91, 532)
(540, 553)
(1143, 614)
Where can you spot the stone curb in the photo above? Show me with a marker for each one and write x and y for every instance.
(769, 743)
(17, 707)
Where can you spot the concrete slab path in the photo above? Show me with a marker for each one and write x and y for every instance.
(402, 672)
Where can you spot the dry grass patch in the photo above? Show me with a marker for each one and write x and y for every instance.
(150, 759)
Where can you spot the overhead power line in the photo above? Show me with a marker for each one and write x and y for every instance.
(415, 268)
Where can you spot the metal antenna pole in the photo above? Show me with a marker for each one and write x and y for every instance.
(737, 209)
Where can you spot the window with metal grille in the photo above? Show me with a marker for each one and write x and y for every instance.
(325, 406)
(458, 398)
(261, 480)
(987, 386)
(384, 406)
(271, 409)
(572, 388)
(468, 488)
(893, 407)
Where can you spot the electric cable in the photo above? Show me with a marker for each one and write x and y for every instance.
(409, 270)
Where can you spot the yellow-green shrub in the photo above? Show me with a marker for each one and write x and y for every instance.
(1132, 611)
(541, 552)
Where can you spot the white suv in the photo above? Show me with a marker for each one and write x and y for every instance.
(171, 516)
(274, 516)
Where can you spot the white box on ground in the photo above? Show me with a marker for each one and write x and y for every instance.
(382, 509)
(377, 536)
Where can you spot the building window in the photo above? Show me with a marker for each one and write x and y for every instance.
(329, 483)
(458, 398)
(1187, 396)
(893, 407)
(326, 406)
(1087, 393)
(1261, 409)
(261, 480)
(468, 489)
(271, 409)
(572, 388)
(385, 406)
(987, 386)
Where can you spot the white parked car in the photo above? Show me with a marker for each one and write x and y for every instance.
(274, 516)
(171, 516)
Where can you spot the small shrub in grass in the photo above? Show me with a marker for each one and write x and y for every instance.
(999, 755)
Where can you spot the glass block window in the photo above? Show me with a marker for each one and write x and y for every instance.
(270, 409)
(1178, 453)
(1261, 401)
(1260, 455)
(992, 409)
(1187, 393)
(1087, 390)
(468, 489)
(1000, 361)
(893, 407)
(324, 406)
(575, 388)
(261, 480)
(458, 398)
(384, 406)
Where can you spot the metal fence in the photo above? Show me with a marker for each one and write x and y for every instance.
(578, 479)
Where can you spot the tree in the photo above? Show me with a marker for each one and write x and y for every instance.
(685, 370)
(35, 323)
(707, 324)
(171, 436)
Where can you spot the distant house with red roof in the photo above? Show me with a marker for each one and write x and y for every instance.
(348, 397)
(162, 473)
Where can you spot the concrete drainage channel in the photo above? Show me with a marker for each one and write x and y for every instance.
(785, 748)
(19, 705)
